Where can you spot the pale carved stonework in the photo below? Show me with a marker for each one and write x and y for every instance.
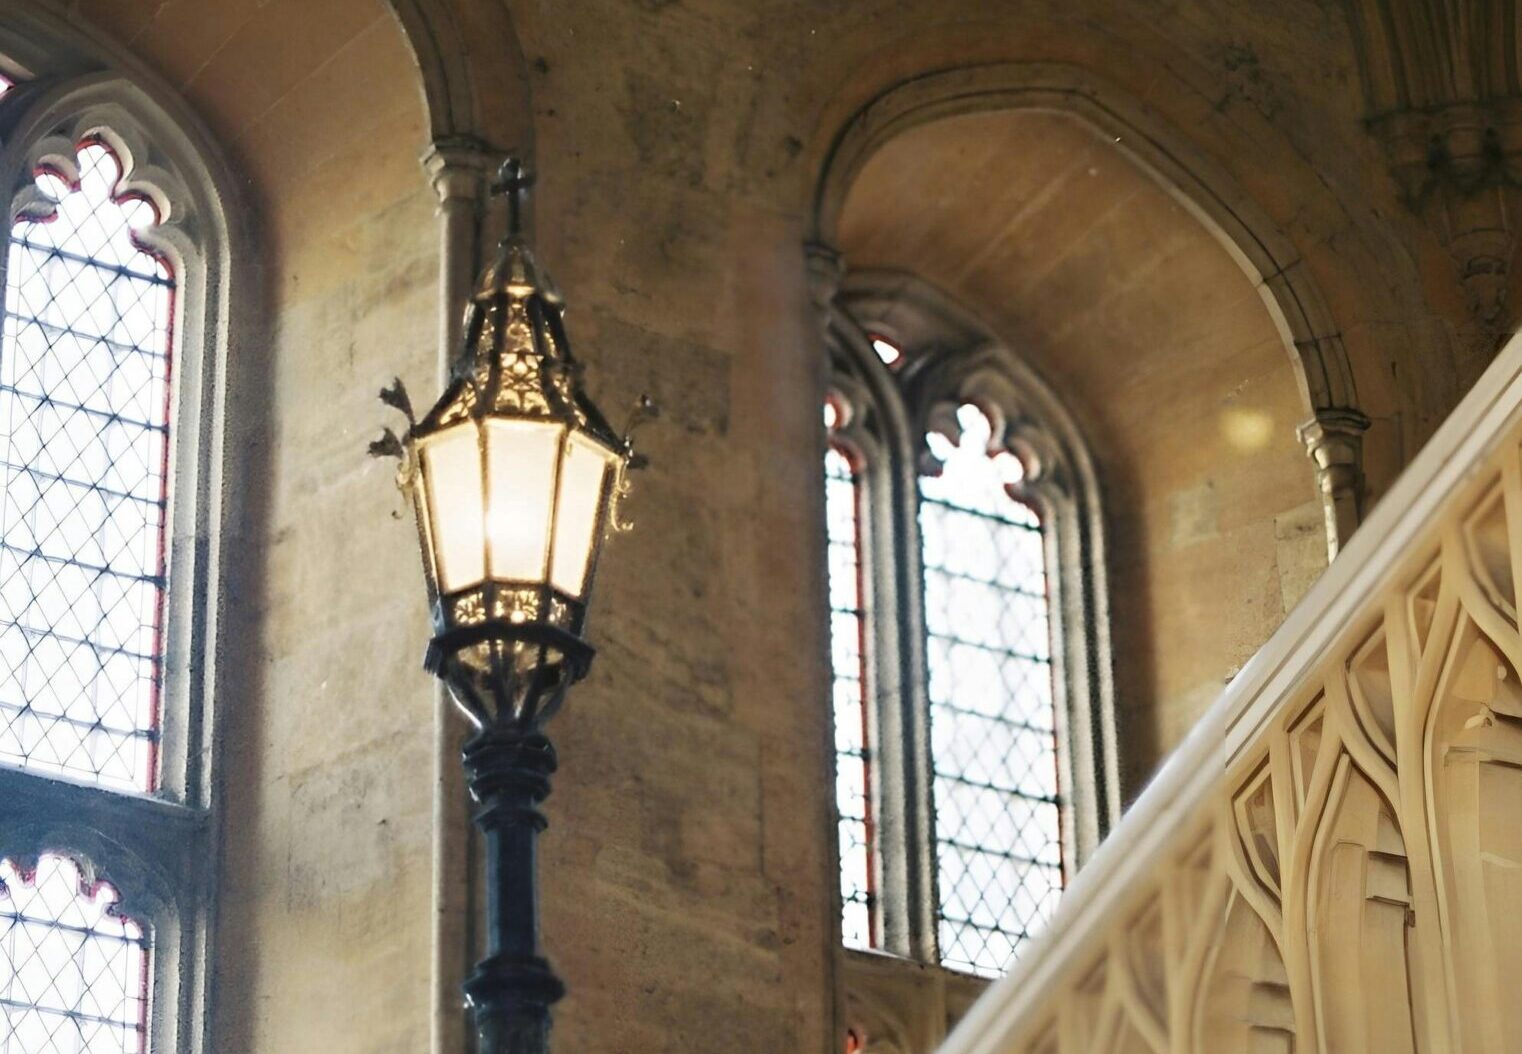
(1329, 864)
(898, 1006)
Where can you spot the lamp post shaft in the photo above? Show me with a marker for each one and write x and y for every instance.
(513, 987)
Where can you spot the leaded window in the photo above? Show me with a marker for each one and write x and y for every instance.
(847, 645)
(84, 409)
(993, 726)
(116, 276)
(974, 743)
(73, 969)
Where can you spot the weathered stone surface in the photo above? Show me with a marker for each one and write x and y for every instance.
(688, 868)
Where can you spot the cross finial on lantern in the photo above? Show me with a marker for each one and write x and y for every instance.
(513, 180)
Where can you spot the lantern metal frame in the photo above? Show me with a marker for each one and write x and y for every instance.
(508, 649)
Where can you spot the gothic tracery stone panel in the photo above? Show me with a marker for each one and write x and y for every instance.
(1358, 887)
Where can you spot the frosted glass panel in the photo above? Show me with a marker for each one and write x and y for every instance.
(992, 718)
(74, 971)
(521, 458)
(84, 433)
(853, 762)
(452, 467)
(581, 482)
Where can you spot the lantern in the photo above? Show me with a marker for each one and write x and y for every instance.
(515, 477)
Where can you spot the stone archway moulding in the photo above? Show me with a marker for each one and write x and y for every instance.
(1333, 433)
(473, 78)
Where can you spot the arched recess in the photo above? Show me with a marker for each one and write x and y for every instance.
(1335, 422)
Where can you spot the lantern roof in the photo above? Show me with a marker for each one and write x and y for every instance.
(516, 360)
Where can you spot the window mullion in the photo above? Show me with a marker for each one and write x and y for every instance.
(912, 899)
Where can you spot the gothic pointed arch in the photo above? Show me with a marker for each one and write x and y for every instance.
(472, 75)
(1313, 342)
(951, 359)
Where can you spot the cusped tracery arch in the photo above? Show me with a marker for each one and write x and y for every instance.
(180, 179)
(929, 402)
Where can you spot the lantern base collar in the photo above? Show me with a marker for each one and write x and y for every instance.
(508, 676)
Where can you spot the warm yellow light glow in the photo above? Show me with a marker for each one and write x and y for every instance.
(1247, 428)
(582, 477)
(452, 468)
(521, 460)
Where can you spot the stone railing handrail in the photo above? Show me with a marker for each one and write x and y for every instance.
(1332, 860)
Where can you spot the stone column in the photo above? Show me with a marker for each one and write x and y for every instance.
(459, 169)
(1334, 440)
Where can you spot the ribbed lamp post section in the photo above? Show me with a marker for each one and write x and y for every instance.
(515, 477)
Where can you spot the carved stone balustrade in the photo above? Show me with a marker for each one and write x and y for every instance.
(1332, 861)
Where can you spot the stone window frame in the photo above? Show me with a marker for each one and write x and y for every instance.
(950, 358)
(161, 850)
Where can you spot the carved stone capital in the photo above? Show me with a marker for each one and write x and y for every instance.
(460, 167)
(1447, 106)
(1456, 173)
(1334, 441)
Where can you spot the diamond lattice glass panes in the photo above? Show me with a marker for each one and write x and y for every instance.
(851, 756)
(84, 382)
(993, 740)
(73, 972)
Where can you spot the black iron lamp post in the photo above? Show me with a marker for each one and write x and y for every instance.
(515, 477)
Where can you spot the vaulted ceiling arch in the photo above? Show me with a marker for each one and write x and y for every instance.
(1335, 419)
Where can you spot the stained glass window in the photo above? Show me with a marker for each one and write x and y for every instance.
(73, 971)
(992, 718)
(852, 758)
(84, 408)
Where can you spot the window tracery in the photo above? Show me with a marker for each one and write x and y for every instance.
(853, 796)
(992, 718)
(985, 642)
(117, 278)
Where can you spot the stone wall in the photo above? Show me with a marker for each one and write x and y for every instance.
(688, 868)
